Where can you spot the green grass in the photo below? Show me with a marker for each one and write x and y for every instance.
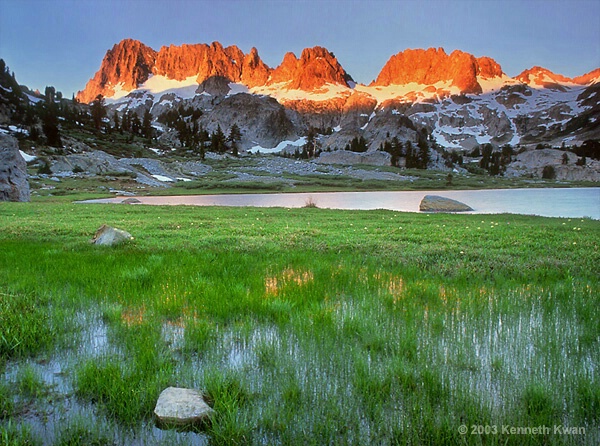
(301, 326)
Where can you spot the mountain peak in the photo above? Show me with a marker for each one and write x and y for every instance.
(592, 77)
(315, 68)
(433, 65)
(129, 63)
(542, 77)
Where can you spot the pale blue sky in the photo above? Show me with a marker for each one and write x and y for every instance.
(62, 42)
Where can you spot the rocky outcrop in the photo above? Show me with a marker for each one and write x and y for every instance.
(263, 120)
(182, 408)
(94, 162)
(428, 67)
(13, 171)
(254, 71)
(351, 158)
(142, 170)
(554, 164)
(435, 203)
(315, 68)
(208, 61)
(128, 63)
(109, 236)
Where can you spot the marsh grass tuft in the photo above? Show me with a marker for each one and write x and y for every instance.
(7, 405)
(310, 203)
(30, 382)
(24, 325)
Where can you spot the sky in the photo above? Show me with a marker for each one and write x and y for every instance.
(62, 42)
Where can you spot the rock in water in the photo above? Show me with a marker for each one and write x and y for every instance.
(131, 200)
(435, 203)
(181, 407)
(13, 171)
(109, 236)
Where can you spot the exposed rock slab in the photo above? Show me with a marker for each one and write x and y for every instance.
(181, 407)
(435, 203)
(109, 236)
(13, 171)
(350, 158)
(532, 163)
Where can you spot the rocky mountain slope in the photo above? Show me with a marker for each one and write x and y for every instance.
(462, 101)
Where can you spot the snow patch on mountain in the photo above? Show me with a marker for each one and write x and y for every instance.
(155, 88)
(281, 146)
(237, 88)
(32, 99)
(282, 94)
(411, 92)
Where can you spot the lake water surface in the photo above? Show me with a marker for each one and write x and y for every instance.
(571, 203)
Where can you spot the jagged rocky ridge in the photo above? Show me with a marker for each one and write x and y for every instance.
(461, 100)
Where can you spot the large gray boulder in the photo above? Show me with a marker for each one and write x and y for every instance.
(109, 236)
(13, 171)
(435, 203)
(181, 407)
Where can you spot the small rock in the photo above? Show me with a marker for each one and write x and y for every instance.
(435, 203)
(109, 236)
(131, 200)
(179, 407)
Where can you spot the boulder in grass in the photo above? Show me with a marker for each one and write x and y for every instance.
(181, 408)
(109, 236)
(435, 203)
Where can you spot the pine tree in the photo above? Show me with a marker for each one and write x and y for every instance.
(217, 141)
(411, 158)
(125, 122)
(136, 125)
(147, 125)
(235, 135)
(422, 158)
(394, 148)
(50, 125)
(98, 110)
(311, 144)
(117, 125)
(486, 156)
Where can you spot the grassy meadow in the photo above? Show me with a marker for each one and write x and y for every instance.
(301, 326)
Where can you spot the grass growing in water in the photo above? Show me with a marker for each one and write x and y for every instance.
(309, 325)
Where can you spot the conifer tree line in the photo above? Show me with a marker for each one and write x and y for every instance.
(416, 155)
